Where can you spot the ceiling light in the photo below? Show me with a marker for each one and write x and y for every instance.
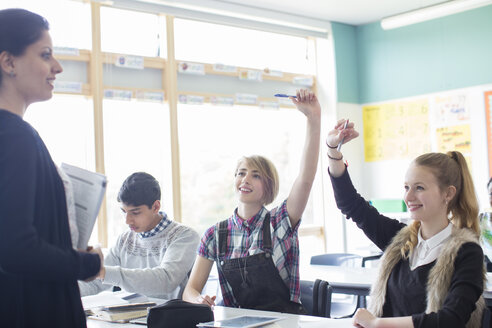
(431, 12)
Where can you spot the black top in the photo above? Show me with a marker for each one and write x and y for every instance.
(38, 267)
(406, 293)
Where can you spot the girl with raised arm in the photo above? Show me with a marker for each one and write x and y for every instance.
(432, 272)
(257, 250)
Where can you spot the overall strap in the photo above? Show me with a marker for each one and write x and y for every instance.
(223, 232)
(267, 238)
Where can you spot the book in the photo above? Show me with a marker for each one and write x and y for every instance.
(107, 299)
(128, 307)
(88, 192)
(115, 315)
(122, 312)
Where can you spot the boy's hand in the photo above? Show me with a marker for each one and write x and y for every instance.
(307, 103)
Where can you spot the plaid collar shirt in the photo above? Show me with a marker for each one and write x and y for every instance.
(246, 238)
(163, 223)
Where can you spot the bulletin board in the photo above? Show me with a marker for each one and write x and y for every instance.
(488, 109)
(398, 130)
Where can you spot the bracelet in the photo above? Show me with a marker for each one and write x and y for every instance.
(331, 146)
(334, 158)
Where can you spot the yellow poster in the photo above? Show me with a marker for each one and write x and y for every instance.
(456, 137)
(397, 130)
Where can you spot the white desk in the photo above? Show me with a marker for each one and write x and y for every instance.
(357, 280)
(220, 312)
(345, 280)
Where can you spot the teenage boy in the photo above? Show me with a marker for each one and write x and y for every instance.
(152, 258)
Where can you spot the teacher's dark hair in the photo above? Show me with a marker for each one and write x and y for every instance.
(19, 28)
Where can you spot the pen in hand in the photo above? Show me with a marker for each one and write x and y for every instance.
(341, 141)
(283, 95)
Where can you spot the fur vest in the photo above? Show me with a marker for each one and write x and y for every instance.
(439, 277)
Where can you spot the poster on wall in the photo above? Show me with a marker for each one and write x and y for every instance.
(398, 130)
(451, 110)
(488, 114)
(456, 137)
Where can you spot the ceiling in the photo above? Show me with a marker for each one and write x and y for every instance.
(353, 12)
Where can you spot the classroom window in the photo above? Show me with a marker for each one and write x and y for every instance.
(242, 47)
(66, 125)
(70, 21)
(136, 138)
(214, 138)
(131, 32)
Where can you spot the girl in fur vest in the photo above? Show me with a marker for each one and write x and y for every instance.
(432, 272)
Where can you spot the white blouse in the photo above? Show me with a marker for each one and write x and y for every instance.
(428, 250)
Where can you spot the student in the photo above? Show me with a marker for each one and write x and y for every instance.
(257, 250)
(153, 257)
(39, 268)
(431, 273)
(486, 225)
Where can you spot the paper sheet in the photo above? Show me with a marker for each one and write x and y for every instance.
(88, 191)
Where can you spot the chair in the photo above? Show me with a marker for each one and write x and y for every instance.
(346, 306)
(486, 318)
(316, 297)
(338, 259)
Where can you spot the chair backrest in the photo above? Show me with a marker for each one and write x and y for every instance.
(486, 318)
(316, 297)
(344, 305)
(338, 259)
(369, 258)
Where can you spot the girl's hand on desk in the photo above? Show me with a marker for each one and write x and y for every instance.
(205, 299)
(364, 319)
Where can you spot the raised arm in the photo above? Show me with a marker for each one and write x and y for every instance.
(198, 279)
(307, 103)
(378, 228)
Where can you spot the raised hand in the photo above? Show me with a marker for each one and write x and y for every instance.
(307, 103)
(339, 133)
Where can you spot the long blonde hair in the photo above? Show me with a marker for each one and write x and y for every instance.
(450, 169)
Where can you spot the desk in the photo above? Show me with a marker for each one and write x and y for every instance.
(344, 280)
(358, 280)
(220, 312)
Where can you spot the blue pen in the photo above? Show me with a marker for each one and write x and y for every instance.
(341, 141)
(283, 95)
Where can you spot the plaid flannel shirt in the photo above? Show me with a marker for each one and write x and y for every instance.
(246, 238)
(163, 223)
